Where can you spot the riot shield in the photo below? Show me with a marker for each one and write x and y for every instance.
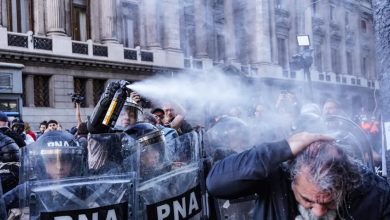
(352, 138)
(96, 197)
(169, 183)
(347, 134)
(230, 135)
(104, 153)
(56, 155)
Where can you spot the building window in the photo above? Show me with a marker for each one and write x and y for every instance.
(279, 3)
(349, 63)
(363, 26)
(80, 21)
(241, 33)
(220, 47)
(336, 67)
(314, 6)
(98, 89)
(346, 18)
(9, 105)
(20, 15)
(188, 28)
(282, 52)
(365, 66)
(318, 58)
(80, 88)
(41, 91)
(332, 11)
(130, 25)
(160, 23)
(24, 97)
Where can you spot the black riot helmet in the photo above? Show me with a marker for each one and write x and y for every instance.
(229, 133)
(55, 155)
(149, 141)
(9, 150)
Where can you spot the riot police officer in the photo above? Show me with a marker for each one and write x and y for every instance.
(55, 155)
(144, 146)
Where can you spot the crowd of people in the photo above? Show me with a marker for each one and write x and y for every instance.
(317, 178)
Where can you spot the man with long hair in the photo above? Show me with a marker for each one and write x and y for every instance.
(307, 176)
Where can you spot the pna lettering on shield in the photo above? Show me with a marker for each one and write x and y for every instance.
(180, 207)
(111, 212)
(111, 215)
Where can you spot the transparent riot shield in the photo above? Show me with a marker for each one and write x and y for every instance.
(104, 153)
(169, 177)
(230, 135)
(54, 156)
(352, 138)
(96, 197)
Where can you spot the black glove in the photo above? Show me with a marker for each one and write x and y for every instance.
(101, 119)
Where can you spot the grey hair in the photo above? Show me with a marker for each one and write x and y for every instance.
(330, 168)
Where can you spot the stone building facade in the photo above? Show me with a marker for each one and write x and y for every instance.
(69, 46)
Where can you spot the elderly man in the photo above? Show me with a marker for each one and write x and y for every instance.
(321, 182)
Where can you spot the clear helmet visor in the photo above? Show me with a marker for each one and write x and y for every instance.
(145, 155)
(130, 115)
(52, 163)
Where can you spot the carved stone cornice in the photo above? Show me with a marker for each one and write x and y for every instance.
(34, 59)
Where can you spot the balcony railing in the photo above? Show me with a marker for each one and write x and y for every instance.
(43, 43)
(65, 46)
(17, 40)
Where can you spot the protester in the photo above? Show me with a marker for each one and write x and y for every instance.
(52, 125)
(10, 133)
(17, 126)
(28, 131)
(159, 114)
(321, 182)
(42, 128)
(169, 133)
(55, 155)
(174, 118)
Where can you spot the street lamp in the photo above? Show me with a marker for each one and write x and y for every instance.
(304, 60)
(303, 40)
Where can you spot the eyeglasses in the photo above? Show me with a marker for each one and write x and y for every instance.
(159, 116)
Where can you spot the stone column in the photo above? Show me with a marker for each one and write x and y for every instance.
(259, 26)
(200, 10)
(29, 86)
(3, 13)
(108, 21)
(39, 17)
(89, 93)
(142, 34)
(229, 31)
(151, 17)
(95, 21)
(55, 17)
(171, 25)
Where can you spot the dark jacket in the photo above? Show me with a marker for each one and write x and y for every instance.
(259, 171)
(19, 140)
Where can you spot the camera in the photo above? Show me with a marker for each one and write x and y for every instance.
(77, 98)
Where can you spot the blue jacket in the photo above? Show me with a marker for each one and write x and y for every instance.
(259, 171)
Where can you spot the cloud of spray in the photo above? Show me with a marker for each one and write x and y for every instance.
(197, 91)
